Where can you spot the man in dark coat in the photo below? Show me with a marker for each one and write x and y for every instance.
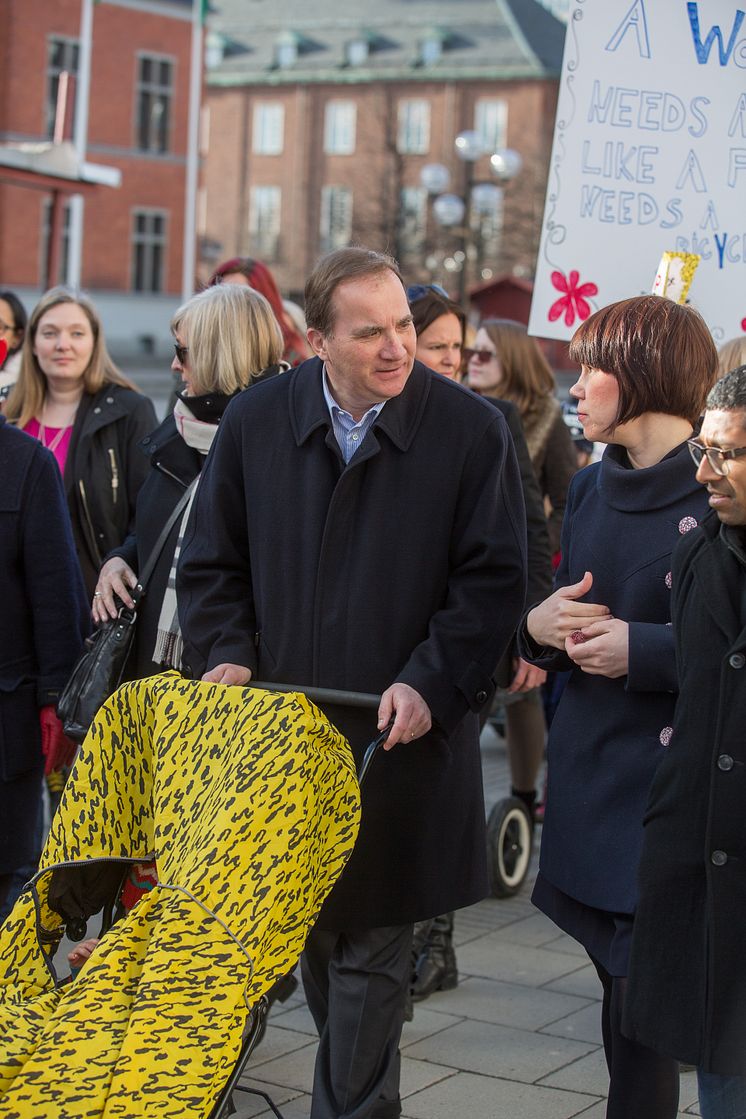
(359, 525)
(687, 982)
(43, 624)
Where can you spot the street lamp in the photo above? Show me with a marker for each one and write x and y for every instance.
(453, 211)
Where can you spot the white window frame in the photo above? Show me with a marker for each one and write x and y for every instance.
(413, 133)
(491, 122)
(147, 242)
(335, 221)
(161, 95)
(268, 128)
(413, 204)
(71, 51)
(265, 220)
(340, 127)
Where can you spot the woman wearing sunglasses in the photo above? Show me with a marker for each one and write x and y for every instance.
(646, 367)
(226, 338)
(506, 362)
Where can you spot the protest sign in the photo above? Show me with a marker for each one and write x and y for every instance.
(649, 156)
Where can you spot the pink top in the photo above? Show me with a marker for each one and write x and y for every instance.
(56, 439)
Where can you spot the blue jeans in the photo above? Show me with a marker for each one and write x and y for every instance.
(721, 1097)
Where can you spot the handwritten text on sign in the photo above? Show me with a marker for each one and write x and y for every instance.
(649, 155)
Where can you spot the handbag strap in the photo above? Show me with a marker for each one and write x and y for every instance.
(152, 559)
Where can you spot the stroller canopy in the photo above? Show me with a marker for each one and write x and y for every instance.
(249, 803)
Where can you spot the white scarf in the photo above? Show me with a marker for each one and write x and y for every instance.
(169, 643)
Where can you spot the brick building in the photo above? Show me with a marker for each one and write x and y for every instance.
(321, 120)
(138, 122)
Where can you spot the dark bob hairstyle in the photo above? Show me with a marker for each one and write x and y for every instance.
(430, 306)
(660, 352)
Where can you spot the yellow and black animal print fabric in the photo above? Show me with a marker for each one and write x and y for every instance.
(249, 802)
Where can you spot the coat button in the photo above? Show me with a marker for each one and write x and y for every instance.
(96, 410)
(738, 660)
(481, 697)
(725, 762)
(718, 858)
(110, 400)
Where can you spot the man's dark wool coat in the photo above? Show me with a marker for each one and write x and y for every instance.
(408, 564)
(43, 625)
(687, 986)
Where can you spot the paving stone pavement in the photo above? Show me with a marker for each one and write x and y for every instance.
(519, 1038)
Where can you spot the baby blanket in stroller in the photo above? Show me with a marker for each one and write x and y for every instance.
(249, 803)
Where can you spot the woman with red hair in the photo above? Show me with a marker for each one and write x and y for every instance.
(254, 274)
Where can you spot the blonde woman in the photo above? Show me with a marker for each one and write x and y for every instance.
(225, 339)
(73, 399)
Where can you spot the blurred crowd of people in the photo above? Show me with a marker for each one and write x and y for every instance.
(635, 566)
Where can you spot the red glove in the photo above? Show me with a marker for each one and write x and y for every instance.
(57, 748)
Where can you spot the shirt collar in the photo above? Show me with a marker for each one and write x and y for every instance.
(333, 406)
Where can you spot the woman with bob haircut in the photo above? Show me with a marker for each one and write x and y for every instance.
(72, 398)
(226, 338)
(646, 367)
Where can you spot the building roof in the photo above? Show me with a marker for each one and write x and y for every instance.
(263, 42)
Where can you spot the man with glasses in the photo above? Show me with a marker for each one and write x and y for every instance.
(687, 982)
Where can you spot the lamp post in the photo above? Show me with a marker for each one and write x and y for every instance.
(455, 212)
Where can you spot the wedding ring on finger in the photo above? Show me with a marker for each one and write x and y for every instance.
(97, 594)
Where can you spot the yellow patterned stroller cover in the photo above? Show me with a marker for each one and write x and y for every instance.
(250, 804)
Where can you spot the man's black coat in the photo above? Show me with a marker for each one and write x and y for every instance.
(687, 982)
(408, 564)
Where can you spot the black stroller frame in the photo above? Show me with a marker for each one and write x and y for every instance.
(258, 1016)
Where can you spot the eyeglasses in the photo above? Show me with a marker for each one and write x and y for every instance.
(716, 456)
(181, 353)
(482, 357)
(415, 292)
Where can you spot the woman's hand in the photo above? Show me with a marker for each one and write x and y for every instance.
(601, 648)
(115, 578)
(526, 676)
(554, 620)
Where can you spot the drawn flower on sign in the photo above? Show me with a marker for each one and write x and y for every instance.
(573, 299)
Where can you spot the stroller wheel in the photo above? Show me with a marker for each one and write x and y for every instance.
(509, 842)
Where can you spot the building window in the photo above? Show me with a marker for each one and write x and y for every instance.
(46, 219)
(491, 122)
(265, 211)
(155, 87)
(148, 249)
(413, 218)
(62, 55)
(339, 127)
(335, 226)
(267, 135)
(414, 127)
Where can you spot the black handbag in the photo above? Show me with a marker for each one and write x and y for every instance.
(100, 667)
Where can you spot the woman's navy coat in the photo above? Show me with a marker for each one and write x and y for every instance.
(687, 987)
(407, 564)
(608, 736)
(43, 623)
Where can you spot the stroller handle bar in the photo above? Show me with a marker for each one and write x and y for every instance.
(323, 695)
(345, 699)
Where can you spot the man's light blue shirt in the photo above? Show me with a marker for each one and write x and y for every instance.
(348, 432)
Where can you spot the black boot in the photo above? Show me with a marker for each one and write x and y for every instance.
(436, 966)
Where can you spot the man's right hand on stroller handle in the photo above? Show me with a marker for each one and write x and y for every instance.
(228, 674)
